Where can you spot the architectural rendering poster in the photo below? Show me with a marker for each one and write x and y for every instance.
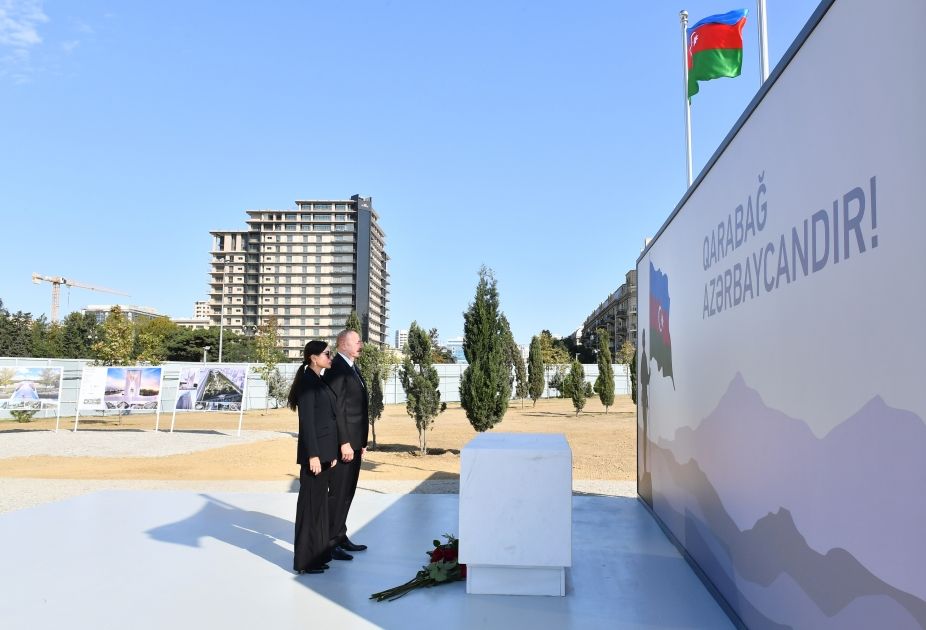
(119, 388)
(781, 398)
(218, 388)
(29, 387)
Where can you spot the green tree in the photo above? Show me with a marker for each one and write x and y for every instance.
(439, 354)
(579, 391)
(184, 344)
(376, 364)
(575, 350)
(187, 344)
(520, 372)
(46, 338)
(604, 384)
(269, 356)
(626, 353)
(376, 406)
(78, 332)
(553, 351)
(535, 371)
(486, 383)
(353, 323)
(633, 377)
(151, 337)
(238, 348)
(15, 333)
(421, 383)
(562, 381)
(116, 342)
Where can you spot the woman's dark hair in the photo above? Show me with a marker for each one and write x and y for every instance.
(313, 348)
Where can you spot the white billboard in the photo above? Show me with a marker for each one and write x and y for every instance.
(123, 388)
(781, 409)
(23, 387)
(218, 388)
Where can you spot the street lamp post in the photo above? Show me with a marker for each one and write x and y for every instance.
(205, 352)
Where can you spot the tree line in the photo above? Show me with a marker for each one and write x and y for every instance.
(496, 368)
(117, 340)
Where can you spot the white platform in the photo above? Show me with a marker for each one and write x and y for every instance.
(516, 513)
(163, 559)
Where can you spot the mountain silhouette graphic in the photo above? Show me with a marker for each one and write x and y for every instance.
(842, 590)
(855, 491)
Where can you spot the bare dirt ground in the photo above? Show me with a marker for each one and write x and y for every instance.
(603, 445)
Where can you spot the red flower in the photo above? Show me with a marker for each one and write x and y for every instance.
(433, 574)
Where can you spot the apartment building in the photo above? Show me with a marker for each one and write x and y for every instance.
(617, 314)
(132, 313)
(308, 267)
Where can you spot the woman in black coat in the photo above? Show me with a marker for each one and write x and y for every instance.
(316, 453)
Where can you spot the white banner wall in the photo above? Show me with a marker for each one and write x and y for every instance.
(793, 478)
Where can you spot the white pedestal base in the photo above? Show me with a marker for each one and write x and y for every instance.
(516, 513)
(494, 580)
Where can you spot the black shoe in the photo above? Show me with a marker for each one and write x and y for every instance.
(339, 554)
(313, 570)
(349, 546)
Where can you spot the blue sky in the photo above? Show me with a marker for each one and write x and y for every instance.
(543, 139)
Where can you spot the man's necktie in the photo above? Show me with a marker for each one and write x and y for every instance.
(357, 372)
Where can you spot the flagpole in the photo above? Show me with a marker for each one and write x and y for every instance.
(763, 41)
(683, 18)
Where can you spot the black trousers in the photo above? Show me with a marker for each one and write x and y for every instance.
(340, 494)
(311, 542)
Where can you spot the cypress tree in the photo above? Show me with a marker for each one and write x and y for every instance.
(633, 377)
(376, 404)
(376, 364)
(604, 384)
(421, 381)
(578, 391)
(353, 323)
(486, 383)
(535, 375)
(520, 373)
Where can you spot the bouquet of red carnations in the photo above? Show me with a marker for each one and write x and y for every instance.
(442, 569)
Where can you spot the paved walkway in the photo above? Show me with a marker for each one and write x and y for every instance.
(181, 559)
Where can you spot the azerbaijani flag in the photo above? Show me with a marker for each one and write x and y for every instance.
(715, 48)
(660, 341)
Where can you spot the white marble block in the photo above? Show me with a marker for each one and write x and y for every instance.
(516, 513)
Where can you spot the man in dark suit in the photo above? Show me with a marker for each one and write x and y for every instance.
(352, 415)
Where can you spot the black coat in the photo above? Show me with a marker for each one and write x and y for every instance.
(318, 433)
(353, 416)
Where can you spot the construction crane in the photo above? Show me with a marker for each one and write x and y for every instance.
(57, 281)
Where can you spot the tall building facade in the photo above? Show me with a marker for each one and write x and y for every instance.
(201, 309)
(617, 315)
(307, 267)
(401, 338)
